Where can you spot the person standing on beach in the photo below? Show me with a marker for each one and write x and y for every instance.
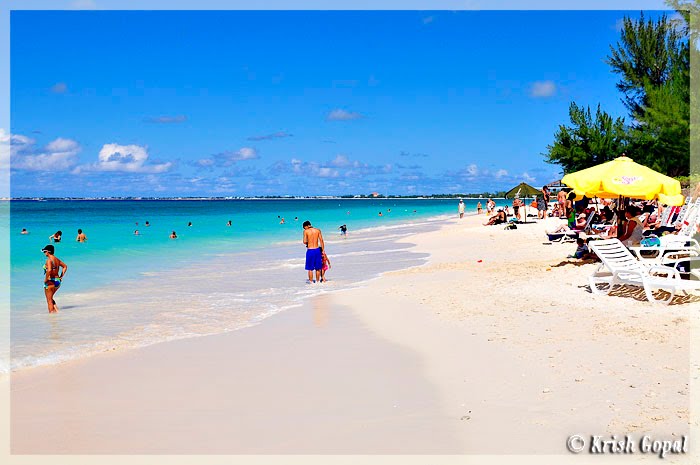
(81, 236)
(343, 230)
(313, 240)
(478, 208)
(460, 208)
(326, 262)
(517, 203)
(543, 203)
(52, 276)
(561, 198)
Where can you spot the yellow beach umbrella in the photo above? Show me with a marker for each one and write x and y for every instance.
(622, 177)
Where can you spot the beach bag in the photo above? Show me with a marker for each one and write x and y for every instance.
(511, 226)
(651, 241)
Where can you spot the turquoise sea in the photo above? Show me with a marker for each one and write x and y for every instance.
(124, 290)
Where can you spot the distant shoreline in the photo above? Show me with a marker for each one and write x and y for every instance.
(48, 199)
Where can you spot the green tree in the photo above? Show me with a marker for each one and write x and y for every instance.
(661, 137)
(588, 141)
(690, 12)
(644, 57)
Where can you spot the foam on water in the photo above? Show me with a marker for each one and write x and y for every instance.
(169, 293)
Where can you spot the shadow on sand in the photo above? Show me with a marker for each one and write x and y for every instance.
(637, 293)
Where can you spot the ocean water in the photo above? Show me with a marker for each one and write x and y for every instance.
(123, 290)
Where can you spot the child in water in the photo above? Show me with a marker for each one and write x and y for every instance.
(326, 265)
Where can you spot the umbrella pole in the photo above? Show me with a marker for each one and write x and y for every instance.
(619, 216)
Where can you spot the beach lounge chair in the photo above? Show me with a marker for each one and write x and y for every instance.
(619, 267)
(572, 234)
(683, 211)
(690, 220)
(669, 245)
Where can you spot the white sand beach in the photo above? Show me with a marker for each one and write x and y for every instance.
(496, 346)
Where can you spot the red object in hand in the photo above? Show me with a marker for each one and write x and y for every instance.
(479, 261)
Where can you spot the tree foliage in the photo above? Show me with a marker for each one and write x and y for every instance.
(588, 141)
(645, 56)
(661, 138)
(653, 61)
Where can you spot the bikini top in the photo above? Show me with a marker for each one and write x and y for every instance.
(55, 267)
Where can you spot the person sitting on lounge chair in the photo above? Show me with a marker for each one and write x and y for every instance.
(632, 233)
(564, 228)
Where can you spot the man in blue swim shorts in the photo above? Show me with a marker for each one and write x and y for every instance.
(313, 240)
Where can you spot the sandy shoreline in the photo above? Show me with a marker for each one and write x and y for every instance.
(496, 337)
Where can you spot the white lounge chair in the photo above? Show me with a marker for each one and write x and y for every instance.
(670, 244)
(620, 267)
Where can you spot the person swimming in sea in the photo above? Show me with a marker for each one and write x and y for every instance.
(24, 231)
(173, 235)
(56, 237)
(81, 236)
(229, 223)
(53, 276)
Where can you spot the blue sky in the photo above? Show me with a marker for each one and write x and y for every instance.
(189, 103)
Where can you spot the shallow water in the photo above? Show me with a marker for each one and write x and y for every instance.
(123, 291)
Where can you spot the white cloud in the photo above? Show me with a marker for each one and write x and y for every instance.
(340, 161)
(324, 172)
(542, 89)
(125, 158)
(528, 178)
(342, 115)
(59, 88)
(501, 173)
(58, 155)
(205, 162)
(472, 170)
(245, 153)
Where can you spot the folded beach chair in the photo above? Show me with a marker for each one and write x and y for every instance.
(682, 212)
(666, 216)
(691, 219)
(619, 267)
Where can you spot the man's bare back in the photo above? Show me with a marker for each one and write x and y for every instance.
(313, 238)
